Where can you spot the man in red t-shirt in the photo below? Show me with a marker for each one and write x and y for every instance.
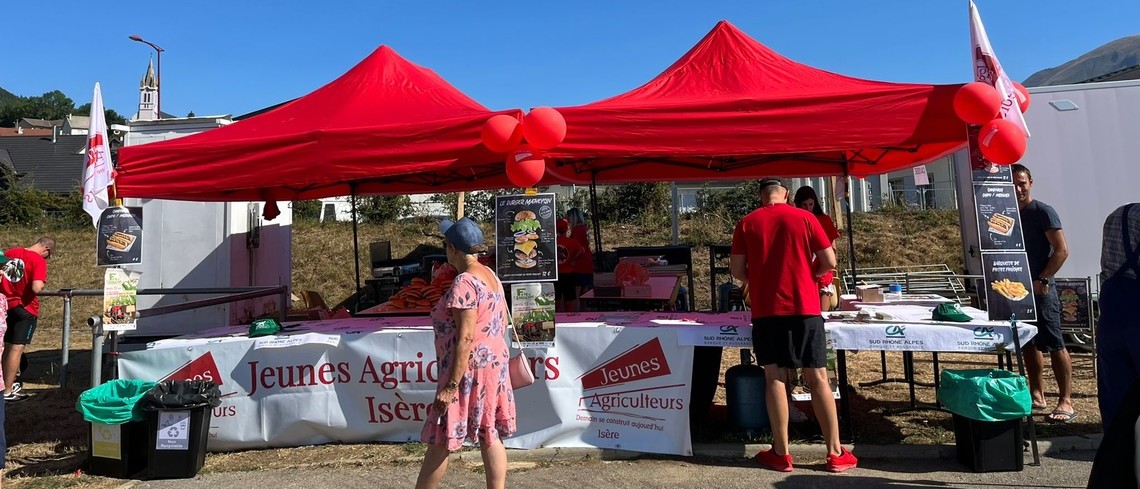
(24, 278)
(773, 249)
(569, 254)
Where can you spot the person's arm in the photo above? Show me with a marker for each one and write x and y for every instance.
(825, 261)
(1056, 239)
(738, 267)
(465, 340)
(37, 286)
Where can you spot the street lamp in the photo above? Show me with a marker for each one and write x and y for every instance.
(136, 37)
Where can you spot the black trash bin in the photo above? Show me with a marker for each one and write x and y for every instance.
(988, 406)
(178, 426)
(116, 440)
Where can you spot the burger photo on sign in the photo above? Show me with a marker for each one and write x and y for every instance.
(525, 229)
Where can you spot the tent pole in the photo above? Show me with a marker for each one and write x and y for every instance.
(841, 355)
(676, 218)
(594, 221)
(355, 248)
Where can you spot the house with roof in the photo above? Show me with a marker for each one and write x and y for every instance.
(53, 164)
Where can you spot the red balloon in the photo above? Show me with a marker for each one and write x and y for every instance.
(525, 167)
(502, 133)
(1022, 96)
(544, 128)
(1002, 141)
(977, 103)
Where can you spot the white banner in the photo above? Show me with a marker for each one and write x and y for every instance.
(611, 387)
(988, 69)
(97, 171)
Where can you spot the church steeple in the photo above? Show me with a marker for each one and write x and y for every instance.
(148, 95)
(149, 80)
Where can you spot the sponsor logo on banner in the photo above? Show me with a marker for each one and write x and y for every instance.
(983, 332)
(896, 331)
(201, 368)
(729, 330)
(617, 399)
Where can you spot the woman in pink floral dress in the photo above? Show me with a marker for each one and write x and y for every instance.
(474, 400)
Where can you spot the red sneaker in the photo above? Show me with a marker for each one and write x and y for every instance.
(842, 463)
(779, 463)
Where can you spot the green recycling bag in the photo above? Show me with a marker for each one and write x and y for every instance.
(985, 395)
(114, 402)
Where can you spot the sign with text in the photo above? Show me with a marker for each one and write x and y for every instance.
(525, 238)
(532, 308)
(982, 170)
(920, 175)
(120, 299)
(999, 222)
(1076, 303)
(119, 237)
(1009, 286)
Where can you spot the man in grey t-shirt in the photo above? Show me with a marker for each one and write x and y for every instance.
(1047, 250)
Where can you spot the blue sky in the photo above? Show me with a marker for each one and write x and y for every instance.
(235, 56)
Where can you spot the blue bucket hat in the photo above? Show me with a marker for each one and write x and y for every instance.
(462, 234)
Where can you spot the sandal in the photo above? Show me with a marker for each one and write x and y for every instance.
(1060, 416)
(1040, 406)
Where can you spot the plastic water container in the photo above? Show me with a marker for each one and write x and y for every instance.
(894, 293)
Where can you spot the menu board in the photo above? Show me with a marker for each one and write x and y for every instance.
(532, 308)
(119, 237)
(983, 170)
(1005, 266)
(1076, 302)
(120, 299)
(999, 222)
(525, 238)
(1009, 286)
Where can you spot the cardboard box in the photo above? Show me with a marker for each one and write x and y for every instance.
(869, 293)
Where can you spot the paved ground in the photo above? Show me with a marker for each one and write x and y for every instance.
(1058, 470)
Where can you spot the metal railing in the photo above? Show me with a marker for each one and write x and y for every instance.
(226, 295)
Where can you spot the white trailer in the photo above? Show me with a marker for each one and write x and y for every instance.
(1084, 154)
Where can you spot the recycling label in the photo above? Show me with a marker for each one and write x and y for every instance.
(173, 430)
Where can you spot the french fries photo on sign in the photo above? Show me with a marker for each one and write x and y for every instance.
(1009, 286)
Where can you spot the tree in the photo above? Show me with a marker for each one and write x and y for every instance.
(51, 105)
(110, 114)
(384, 208)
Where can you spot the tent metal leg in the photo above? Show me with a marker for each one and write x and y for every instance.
(595, 220)
(355, 250)
(1021, 371)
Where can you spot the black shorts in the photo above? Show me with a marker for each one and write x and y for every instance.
(1049, 337)
(790, 341)
(21, 326)
(566, 288)
(585, 280)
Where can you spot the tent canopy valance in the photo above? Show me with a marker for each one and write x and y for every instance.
(731, 108)
(385, 126)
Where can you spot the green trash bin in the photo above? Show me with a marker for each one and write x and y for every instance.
(987, 406)
(116, 440)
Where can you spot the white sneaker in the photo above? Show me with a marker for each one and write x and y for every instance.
(17, 387)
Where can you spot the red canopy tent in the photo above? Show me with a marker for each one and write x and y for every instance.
(731, 108)
(385, 126)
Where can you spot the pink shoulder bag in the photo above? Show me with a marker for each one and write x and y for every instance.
(518, 367)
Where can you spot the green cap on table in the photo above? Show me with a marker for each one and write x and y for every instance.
(951, 311)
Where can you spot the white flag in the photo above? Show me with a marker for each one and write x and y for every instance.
(987, 69)
(97, 161)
